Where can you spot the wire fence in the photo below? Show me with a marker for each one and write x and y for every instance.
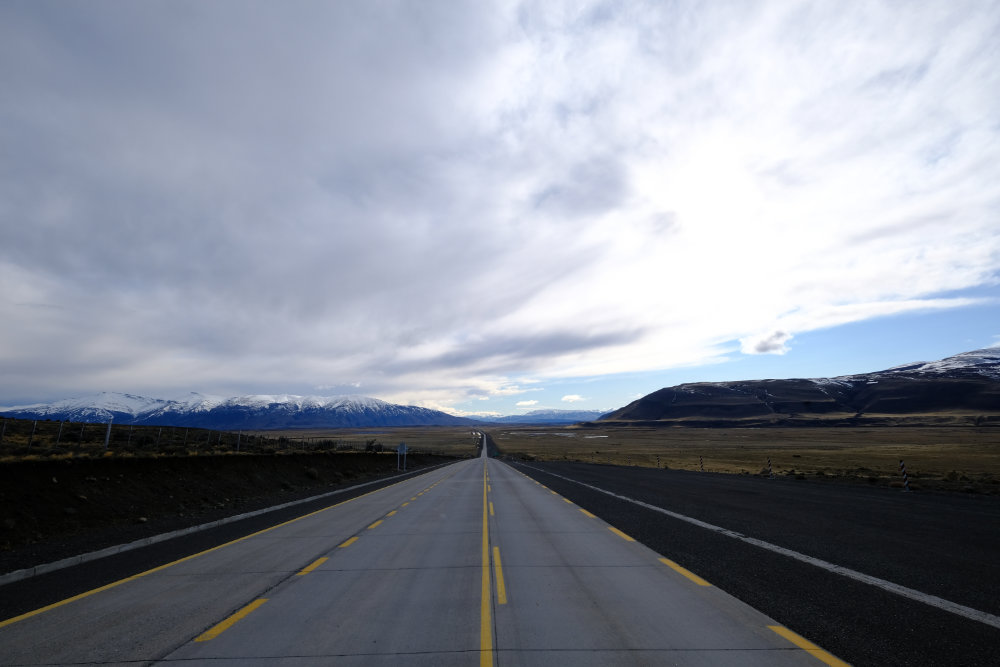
(26, 437)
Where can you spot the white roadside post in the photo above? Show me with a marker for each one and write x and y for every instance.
(401, 452)
(107, 436)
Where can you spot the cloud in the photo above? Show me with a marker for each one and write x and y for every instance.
(573, 398)
(526, 404)
(256, 197)
(774, 343)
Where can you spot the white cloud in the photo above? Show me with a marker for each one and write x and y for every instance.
(607, 189)
(773, 343)
(526, 404)
(573, 398)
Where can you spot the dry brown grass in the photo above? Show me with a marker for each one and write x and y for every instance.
(446, 441)
(962, 458)
(24, 439)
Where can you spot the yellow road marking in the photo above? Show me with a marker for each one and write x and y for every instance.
(413, 498)
(485, 624)
(115, 584)
(587, 513)
(553, 492)
(391, 513)
(489, 487)
(404, 504)
(568, 501)
(313, 566)
(498, 573)
(620, 534)
(687, 573)
(229, 622)
(805, 644)
(491, 508)
(348, 542)
(375, 525)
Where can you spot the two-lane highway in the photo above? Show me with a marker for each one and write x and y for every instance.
(469, 564)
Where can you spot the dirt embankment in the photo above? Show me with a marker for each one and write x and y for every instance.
(55, 508)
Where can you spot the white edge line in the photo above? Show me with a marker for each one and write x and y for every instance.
(932, 600)
(27, 573)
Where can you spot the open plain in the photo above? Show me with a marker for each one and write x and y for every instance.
(965, 459)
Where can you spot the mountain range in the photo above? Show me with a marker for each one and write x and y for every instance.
(964, 388)
(548, 417)
(245, 412)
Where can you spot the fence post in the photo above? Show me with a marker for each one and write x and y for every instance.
(701, 463)
(770, 472)
(906, 480)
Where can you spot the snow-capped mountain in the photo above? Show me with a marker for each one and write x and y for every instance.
(244, 412)
(964, 386)
(985, 362)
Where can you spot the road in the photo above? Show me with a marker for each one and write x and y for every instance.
(874, 575)
(472, 563)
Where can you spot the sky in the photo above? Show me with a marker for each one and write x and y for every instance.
(491, 207)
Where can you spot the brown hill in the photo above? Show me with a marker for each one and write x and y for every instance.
(962, 389)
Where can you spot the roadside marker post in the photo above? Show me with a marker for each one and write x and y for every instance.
(770, 472)
(107, 436)
(401, 452)
(701, 463)
(906, 480)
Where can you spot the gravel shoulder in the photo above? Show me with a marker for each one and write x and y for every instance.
(52, 509)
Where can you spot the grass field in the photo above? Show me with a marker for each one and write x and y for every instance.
(445, 441)
(962, 458)
(27, 439)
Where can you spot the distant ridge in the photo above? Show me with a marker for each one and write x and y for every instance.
(961, 389)
(548, 417)
(244, 412)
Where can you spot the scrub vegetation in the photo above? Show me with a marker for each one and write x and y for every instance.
(22, 439)
(963, 459)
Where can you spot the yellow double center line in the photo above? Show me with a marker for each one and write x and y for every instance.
(485, 616)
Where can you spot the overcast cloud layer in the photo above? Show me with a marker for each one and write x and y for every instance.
(431, 202)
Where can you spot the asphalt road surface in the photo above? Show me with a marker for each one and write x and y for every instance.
(472, 563)
(924, 584)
